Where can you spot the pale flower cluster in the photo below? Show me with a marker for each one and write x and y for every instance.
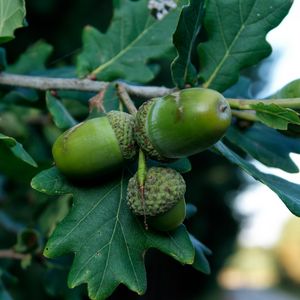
(161, 7)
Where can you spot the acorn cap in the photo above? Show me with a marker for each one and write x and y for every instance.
(140, 131)
(163, 189)
(123, 126)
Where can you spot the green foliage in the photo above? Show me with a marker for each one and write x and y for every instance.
(275, 116)
(266, 145)
(61, 117)
(4, 295)
(200, 263)
(290, 90)
(33, 59)
(189, 24)
(236, 38)
(3, 62)
(17, 149)
(113, 241)
(182, 165)
(133, 39)
(288, 192)
(12, 15)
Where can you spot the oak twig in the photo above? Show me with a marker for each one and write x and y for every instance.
(245, 115)
(74, 84)
(124, 97)
(10, 253)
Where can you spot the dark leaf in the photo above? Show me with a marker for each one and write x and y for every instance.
(33, 59)
(21, 96)
(3, 62)
(134, 38)
(266, 145)
(287, 191)
(236, 33)
(4, 295)
(182, 165)
(183, 71)
(201, 263)
(191, 210)
(61, 116)
(109, 242)
(241, 89)
(17, 149)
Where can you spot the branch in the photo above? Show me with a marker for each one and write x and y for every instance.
(9, 253)
(249, 116)
(86, 85)
(123, 95)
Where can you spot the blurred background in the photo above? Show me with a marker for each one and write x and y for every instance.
(254, 239)
(265, 264)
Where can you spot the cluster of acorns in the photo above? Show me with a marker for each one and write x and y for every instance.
(167, 128)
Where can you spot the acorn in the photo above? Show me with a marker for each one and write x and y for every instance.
(182, 123)
(161, 200)
(95, 147)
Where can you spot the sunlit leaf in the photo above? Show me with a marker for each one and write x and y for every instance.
(12, 15)
(275, 116)
(183, 71)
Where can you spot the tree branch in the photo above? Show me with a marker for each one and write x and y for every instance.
(246, 115)
(123, 95)
(86, 85)
(9, 253)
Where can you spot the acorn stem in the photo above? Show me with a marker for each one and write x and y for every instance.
(141, 177)
(245, 115)
(125, 98)
(245, 104)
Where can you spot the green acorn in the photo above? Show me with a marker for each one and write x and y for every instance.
(161, 199)
(182, 123)
(95, 147)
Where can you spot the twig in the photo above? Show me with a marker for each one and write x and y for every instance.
(123, 95)
(147, 91)
(9, 253)
(246, 103)
(87, 85)
(97, 102)
(245, 115)
(141, 177)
